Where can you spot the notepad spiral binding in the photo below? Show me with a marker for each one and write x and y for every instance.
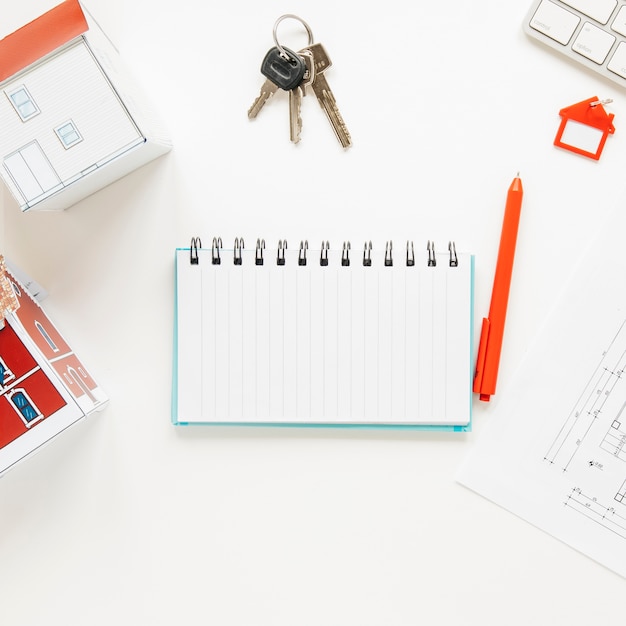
(303, 253)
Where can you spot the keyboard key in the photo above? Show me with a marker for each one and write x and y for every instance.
(593, 42)
(554, 21)
(617, 64)
(599, 10)
(619, 23)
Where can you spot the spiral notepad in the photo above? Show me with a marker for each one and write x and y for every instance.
(328, 337)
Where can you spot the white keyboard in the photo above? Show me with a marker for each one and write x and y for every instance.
(592, 32)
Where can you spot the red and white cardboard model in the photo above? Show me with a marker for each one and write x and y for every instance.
(72, 118)
(44, 386)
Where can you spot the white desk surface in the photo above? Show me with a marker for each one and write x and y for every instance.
(128, 520)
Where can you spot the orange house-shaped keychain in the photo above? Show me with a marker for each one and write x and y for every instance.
(585, 127)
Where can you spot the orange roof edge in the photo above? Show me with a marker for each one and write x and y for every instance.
(40, 37)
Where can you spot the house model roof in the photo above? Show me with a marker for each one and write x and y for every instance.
(41, 37)
(8, 299)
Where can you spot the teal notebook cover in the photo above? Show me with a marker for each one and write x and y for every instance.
(377, 338)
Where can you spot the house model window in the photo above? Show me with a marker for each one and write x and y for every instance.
(24, 406)
(68, 134)
(47, 337)
(23, 103)
(6, 375)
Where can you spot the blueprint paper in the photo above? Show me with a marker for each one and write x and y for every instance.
(554, 451)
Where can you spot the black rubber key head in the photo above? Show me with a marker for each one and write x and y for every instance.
(287, 72)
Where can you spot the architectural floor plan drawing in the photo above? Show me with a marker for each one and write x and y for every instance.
(595, 403)
(554, 451)
(590, 444)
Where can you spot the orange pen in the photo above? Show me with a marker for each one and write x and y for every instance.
(492, 331)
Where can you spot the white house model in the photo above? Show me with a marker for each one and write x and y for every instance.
(72, 119)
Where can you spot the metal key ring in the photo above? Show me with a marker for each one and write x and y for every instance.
(282, 50)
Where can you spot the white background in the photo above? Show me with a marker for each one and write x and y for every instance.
(128, 520)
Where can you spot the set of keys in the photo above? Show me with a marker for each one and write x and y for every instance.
(294, 72)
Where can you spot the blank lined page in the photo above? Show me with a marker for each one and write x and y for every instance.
(316, 341)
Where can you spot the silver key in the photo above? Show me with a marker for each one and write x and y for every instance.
(325, 95)
(295, 98)
(295, 121)
(268, 89)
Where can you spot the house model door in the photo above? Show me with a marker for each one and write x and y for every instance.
(32, 172)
